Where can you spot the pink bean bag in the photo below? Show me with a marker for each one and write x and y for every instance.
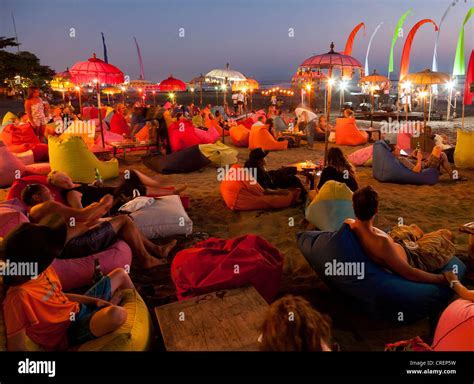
(217, 264)
(361, 156)
(182, 135)
(348, 134)
(207, 137)
(76, 273)
(455, 330)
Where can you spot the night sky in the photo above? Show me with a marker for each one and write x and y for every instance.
(250, 34)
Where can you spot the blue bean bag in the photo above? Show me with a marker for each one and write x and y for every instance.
(380, 293)
(387, 168)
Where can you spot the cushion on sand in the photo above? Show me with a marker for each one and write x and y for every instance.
(362, 156)
(165, 217)
(464, 152)
(261, 138)
(377, 291)
(211, 266)
(387, 168)
(240, 136)
(11, 168)
(330, 207)
(348, 134)
(219, 154)
(455, 330)
(77, 273)
(188, 160)
(248, 195)
(182, 135)
(74, 158)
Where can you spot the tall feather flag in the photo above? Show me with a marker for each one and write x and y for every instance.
(140, 61)
(368, 48)
(396, 34)
(405, 64)
(459, 69)
(347, 72)
(106, 59)
(434, 67)
(468, 91)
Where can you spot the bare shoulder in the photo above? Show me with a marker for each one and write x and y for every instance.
(41, 210)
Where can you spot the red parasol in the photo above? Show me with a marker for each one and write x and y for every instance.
(99, 72)
(172, 84)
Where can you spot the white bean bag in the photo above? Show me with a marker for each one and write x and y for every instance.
(165, 217)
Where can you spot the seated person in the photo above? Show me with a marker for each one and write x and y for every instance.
(398, 257)
(338, 168)
(308, 331)
(137, 118)
(321, 128)
(274, 182)
(279, 124)
(348, 113)
(35, 305)
(87, 234)
(198, 120)
(118, 123)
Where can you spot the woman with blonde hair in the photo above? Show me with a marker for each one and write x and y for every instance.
(36, 109)
(293, 325)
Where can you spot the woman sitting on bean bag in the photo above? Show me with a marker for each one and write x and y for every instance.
(347, 132)
(338, 168)
(20, 137)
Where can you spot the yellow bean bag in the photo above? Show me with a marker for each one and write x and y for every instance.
(74, 158)
(261, 138)
(219, 154)
(9, 118)
(464, 152)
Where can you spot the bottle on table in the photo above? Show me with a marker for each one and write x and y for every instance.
(98, 181)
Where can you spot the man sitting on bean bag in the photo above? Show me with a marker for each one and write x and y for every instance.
(406, 251)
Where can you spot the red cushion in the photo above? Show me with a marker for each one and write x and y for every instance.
(182, 135)
(217, 264)
(20, 184)
(19, 138)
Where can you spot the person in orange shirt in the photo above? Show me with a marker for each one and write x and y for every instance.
(35, 305)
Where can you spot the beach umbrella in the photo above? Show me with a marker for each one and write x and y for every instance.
(245, 85)
(331, 62)
(98, 72)
(224, 75)
(62, 82)
(374, 80)
(427, 78)
(172, 85)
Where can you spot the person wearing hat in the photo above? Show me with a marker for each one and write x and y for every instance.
(274, 182)
(35, 305)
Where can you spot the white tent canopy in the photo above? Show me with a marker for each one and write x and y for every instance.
(226, 74)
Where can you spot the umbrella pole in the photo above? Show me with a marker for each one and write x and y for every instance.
(200, 95)
(328, 115)
(429, 108)
(450, 99)
(372, 110)
(100, 115)
(462, 115)
(80, 102)
(424, 112)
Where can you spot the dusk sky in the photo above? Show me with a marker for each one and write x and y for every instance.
(252, 35)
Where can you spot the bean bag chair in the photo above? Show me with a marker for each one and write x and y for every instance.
(240, 136)
(143, 134)
(11, 168)
(464, 152)
(119, 125)
(182, 135)
(162, 217)
(247, 123)
(361, 157)
(77, 273)
(211, 266)
(377, 291)
(387, 168)
(74, 158)
(455, 330)
(188, 160)
(213, 124)
(248, 195)
(219, 154)
(330, 207)
(261, 138)
(348, 134)
(20, 138)
(9, 118)
(207, 137)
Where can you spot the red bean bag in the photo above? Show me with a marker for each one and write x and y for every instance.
(182, 135)
(348, 134)
(217, 264)
(248, 122)
(240, 136)
(21, 138)
(119, 125)
(261, 138)
(248, 195)
(455, 330)
(404, 140)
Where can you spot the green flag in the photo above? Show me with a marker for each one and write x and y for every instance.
(394, 39)
(459, 68)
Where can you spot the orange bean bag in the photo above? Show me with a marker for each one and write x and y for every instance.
(240, 136)
(209, 123)
(455, 330)
(19, 138)
(143, 134)
(261, 138)
(348, 134)
(248, 195)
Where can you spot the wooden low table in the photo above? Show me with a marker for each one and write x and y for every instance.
(124, 145)
(295, 136)
(372, 131)
(227, 320)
